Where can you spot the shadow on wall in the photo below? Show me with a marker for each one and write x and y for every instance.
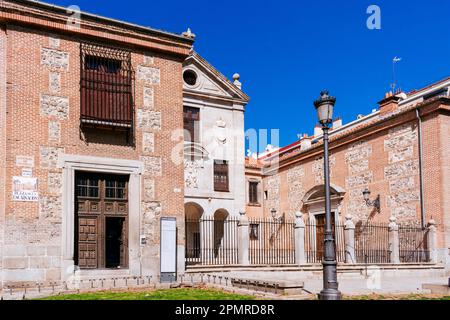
(105, 136)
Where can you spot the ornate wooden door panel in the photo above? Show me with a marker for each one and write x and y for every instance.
(100, 199)
(87, 243)
(320, 233)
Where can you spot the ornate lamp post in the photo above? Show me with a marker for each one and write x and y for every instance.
(325, 105)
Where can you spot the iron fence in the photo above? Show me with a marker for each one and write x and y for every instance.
(315, 237)
(272, 242)
(372, 243)
(413, 244)
(212, 242)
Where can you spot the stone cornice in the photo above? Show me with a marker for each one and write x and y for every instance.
(44, 16)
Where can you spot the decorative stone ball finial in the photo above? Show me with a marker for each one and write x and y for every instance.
(393, 219)
(236, 78)
(298, 215)
(349, 217)
(242, 212)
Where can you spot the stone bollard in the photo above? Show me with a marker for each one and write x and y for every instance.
(349, 238)
(300, 257)
(243, 239)
(432, 241)
(394, 243)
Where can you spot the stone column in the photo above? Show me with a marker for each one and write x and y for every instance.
(243, 239)
(349, 238)
(300, 257)
(432, 241)
(394, 243)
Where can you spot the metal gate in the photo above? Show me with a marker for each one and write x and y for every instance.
(272, 242)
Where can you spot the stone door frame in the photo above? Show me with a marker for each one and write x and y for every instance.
(73, 163)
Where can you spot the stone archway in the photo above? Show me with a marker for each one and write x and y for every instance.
(193, 214)
(314, 206)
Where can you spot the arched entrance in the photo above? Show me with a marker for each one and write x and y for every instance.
(220, 216)
(193, 214)
(314, 206)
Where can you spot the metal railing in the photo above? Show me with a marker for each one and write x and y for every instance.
(413, 244)
(272, 242)
(372, 242)
(314, 241)
(212, 242)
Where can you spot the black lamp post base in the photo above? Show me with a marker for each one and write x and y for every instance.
(330, 294)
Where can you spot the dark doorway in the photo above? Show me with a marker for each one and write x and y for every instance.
(101, 215)
(114, 240)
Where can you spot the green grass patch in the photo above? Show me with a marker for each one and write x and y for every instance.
(172, 294)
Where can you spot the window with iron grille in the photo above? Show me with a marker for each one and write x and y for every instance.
(191, 118)
(107, 86)
(221, 181)
(253, 192)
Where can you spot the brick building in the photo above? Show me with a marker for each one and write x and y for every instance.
(88, 108)
(400, 152)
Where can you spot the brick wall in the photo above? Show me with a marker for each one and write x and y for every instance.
(386, 162)
(2, 140)
(43, 76)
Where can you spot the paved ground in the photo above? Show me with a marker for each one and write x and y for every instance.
(403, 285)
(357, 284)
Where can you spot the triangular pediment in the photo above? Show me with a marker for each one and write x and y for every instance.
(209, 81)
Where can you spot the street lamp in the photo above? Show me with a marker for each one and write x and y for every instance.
(324, 106)
(273, 212)
(375, 203)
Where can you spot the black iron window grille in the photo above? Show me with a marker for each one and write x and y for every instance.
(221, 178)
(253, 192)
(107, 86)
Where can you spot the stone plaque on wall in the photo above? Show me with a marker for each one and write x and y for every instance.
(24, 161)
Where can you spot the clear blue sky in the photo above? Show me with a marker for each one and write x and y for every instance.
(287, 51)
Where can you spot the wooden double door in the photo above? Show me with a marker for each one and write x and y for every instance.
(320, 233)
(101, 214)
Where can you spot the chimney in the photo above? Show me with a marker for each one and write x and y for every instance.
(337, 123)
(318, 131)
(236, 78)
(389, 104)
(305, 143)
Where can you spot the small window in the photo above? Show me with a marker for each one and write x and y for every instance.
(253, 192)
(88, 187)
(190, 77)
(254, 231)
(221, 183)
(266, 195)
(115, 189)
(101, 64)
